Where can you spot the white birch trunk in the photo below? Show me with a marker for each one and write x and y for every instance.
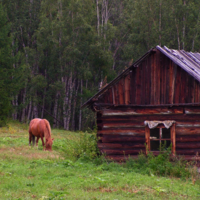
(71, 86)
(55, 110)
(98, 23)
(15, 104)
(183, 43)
(29, 111)
(65, 102)
(160, 21)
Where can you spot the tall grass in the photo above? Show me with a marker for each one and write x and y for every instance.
(78, 145)
(74, 170)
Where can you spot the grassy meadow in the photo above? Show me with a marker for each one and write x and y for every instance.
(73, 171)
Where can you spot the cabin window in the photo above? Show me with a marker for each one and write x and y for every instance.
(159, 138)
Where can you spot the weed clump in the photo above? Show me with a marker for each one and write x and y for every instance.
(81, 146)
(162, 165)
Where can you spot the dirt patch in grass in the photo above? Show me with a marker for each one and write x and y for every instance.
(28, 152)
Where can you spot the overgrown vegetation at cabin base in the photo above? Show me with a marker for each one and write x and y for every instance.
(72, 171)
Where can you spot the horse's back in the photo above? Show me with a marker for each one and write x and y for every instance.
(37, 127)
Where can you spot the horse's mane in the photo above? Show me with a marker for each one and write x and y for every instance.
(47, 132)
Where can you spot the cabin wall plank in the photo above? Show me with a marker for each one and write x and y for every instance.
(157, 78)
(152, 79)
(177, 89)
(133, 86)
(148, 82)
(138, 85)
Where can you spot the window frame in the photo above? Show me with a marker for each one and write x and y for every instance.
(172, 138)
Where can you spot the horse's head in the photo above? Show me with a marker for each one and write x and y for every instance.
(49, 143)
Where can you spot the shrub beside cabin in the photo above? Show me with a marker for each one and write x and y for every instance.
(155, 101)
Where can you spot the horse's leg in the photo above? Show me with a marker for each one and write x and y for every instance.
(37, 141)
(42, 142)
(30, 137)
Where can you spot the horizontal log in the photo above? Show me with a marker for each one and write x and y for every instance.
(122, 152)
(182, 117)
(134, 131)
(122, 139)
(186, 145)
(137, 111)
(140, 124)
(132, 106)
(186, 124)
(121, 158)
(187, 151)
(108, 120)
(191, 158)
(121, 125)
(120, 145)
(108, 123)
(187, 130)
(194, 110)
(189, 138)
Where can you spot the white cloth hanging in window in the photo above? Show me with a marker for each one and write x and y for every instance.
(154, 124)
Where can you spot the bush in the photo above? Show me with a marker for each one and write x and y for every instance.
(83, 146)
(161, 165)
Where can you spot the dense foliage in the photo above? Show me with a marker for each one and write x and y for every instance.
(56, 52)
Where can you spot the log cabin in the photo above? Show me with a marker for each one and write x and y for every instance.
(153, 103)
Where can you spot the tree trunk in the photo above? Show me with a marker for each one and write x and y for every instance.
(160, 20)
(71, 87)
(24, 101)
(74, 108)
(178, 39)
(80, 113)
(183, 43)
(97, 3)
(35, 108)
(29, 111)
(65, 102)
(15, 104)
(55, 110)
(43, 102)
(59, 118)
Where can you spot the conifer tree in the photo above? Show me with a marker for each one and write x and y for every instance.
(5, 67)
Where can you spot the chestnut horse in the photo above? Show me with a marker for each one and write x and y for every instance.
(40, 128)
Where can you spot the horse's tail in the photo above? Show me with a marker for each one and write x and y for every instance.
(33, 139)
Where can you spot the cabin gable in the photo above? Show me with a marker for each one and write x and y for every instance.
(156, 80)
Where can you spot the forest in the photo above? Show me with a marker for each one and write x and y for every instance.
(55, 53)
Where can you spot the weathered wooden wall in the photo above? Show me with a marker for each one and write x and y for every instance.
(121, 132)
(156, 89)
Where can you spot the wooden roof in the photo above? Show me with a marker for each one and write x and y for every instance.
(188, 61)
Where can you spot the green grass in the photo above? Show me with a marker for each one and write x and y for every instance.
(69, 172)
